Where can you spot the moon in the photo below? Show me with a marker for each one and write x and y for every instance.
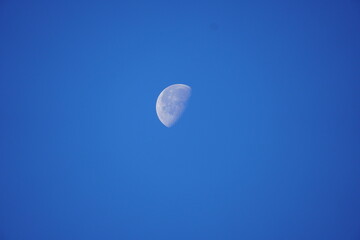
(171, 103)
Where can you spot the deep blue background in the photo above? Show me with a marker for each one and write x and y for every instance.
(268, 148)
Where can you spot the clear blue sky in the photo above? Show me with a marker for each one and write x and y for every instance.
(268, 148)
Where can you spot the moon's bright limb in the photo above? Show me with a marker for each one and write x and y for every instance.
(171, 103)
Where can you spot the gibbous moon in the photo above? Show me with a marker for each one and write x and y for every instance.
(171, 103)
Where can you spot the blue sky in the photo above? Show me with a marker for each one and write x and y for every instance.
(268, 147)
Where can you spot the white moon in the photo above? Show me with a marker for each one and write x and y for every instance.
(171, 103)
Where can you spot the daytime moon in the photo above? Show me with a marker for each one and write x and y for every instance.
(172, 102)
